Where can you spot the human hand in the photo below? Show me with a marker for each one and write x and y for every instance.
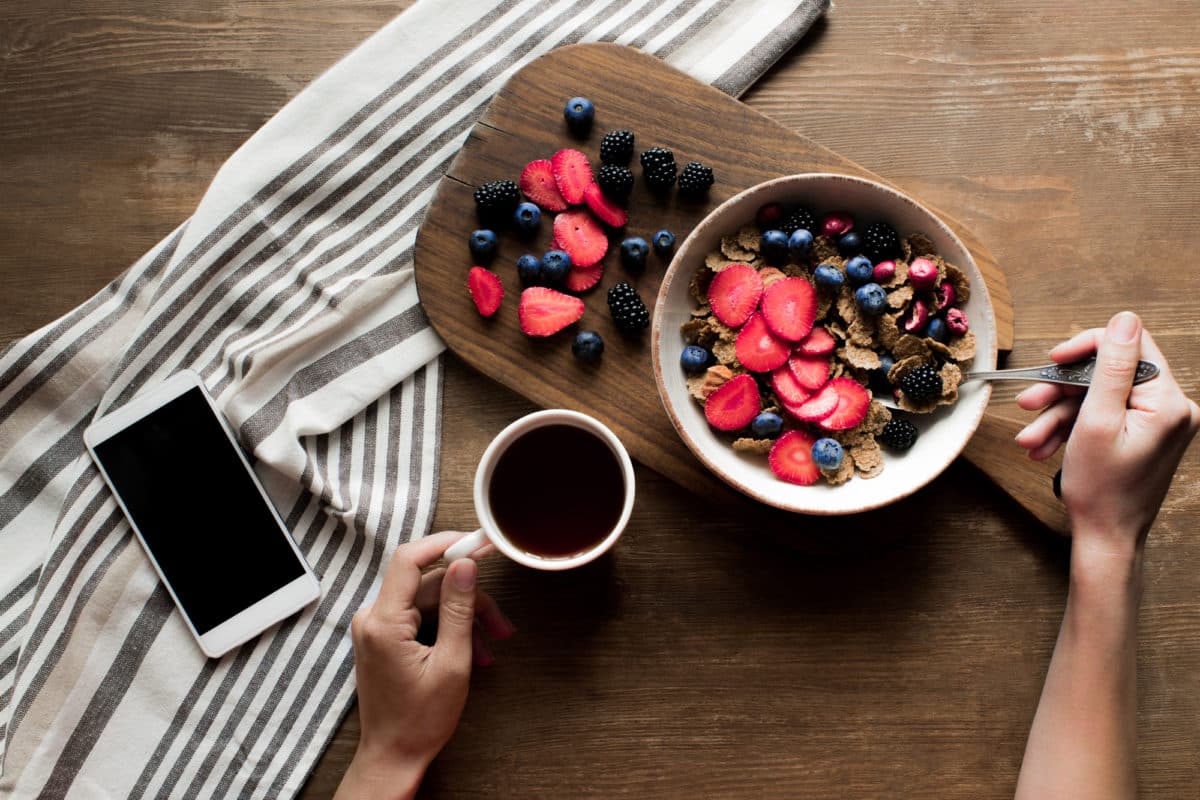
(1123, 442)
(410, 696)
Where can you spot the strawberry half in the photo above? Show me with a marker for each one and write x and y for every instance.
(811, 371)
(819, 342)
(572, 174)
(609, 212)
(486, 290)
(580, 279)
(817, 407)
(578, 233)
(537, 182)
(787, 388)
(734, 404)
(758, 349)
(545, 312)
(734, 293)
(789, 307)
(791, 459)
(853, 402)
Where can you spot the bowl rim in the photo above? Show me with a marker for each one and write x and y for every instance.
(676, 265)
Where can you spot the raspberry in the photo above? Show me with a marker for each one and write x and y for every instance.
(695, 179)
(898, 434)
(627, 309)
(616, 147)
(880, 241)
(922, 384)
(657, 157)
(799, 218)
(496, 201)
(615, 181)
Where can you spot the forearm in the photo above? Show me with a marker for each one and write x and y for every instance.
(1083, 740)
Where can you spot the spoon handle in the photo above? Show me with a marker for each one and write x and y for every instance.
(1076, 374)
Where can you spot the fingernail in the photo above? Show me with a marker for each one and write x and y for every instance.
(464, 571)
(1021, 432)
(1123, 327)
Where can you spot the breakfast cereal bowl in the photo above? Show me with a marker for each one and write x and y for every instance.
(942, 433)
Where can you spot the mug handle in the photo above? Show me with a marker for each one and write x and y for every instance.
(466, 546)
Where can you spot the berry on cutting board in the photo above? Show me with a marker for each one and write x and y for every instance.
(859, 270)
(871, 299)
(572, 174)
(529, 270)
(656, 157)
(527, 218)
(578, 233)
(615, 181)
(828, 277)
(898, 434)
(605, 209)
(580, 279)
(695, 180)
(617, 147)
(486, 290)
(633, 253)
(628, 311)
(588, 346)
(827, 453)
(579, 112)
(791, 459)
(774, 246)
(545, 312)
(555, 266)
(694, 359)
(766, 425)
(664, 243)
(538, 184)
(495, 202)
(482, 243)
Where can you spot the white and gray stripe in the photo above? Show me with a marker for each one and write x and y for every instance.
(290, 291)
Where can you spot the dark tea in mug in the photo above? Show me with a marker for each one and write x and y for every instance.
(557, 491)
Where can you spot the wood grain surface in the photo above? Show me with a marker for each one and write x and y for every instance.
(903, 657)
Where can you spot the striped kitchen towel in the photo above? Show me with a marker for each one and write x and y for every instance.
(291, 291)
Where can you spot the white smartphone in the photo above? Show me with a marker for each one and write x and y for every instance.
(211, 532)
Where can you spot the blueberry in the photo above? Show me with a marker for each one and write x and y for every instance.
(859, 270)
(694, 359)
(827, 453)
(937, 330)
(633, 253)
(774, 246)
(850, 244)
(588, 346)
(482, 244)
(579, 113)
(766, 425)
(664, 243)
(555, 266)
(829, 277)
(879, 378)
(528, 217)
(872, 299)
(800, 243)
(529, 270)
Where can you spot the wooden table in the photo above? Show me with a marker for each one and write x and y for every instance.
(706, 659)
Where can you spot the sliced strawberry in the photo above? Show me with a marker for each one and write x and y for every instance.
(578, 233)
(734, 404)
(853, 402)
(572, 174)
(817, 407)
(758, 349)
(734, 293)
(580, 279)
(791, 459)
(486, 290)
(810, 371)
(787, 388)
(819, 342)
(609, 212)
(789, 307)
(544, 312)
(537, 182)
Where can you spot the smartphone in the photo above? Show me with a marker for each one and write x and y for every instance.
(201, 514)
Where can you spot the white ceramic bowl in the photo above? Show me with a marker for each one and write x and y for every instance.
(943, 434)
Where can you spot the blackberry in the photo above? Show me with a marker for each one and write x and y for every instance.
(627, 309)
(799, 218)
(615, 181)
(616, 147)
(661, 178)
(898, 434)
(496, 201)
(880, 241)
(657, 157)
(922, 384)
(695, 179)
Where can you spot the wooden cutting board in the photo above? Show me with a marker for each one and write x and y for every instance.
(663, 107)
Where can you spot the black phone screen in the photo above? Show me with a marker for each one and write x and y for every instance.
(198, 510)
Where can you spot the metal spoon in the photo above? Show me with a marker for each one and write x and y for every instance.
(1078, 373)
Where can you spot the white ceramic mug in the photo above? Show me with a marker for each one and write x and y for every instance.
(489, 532)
